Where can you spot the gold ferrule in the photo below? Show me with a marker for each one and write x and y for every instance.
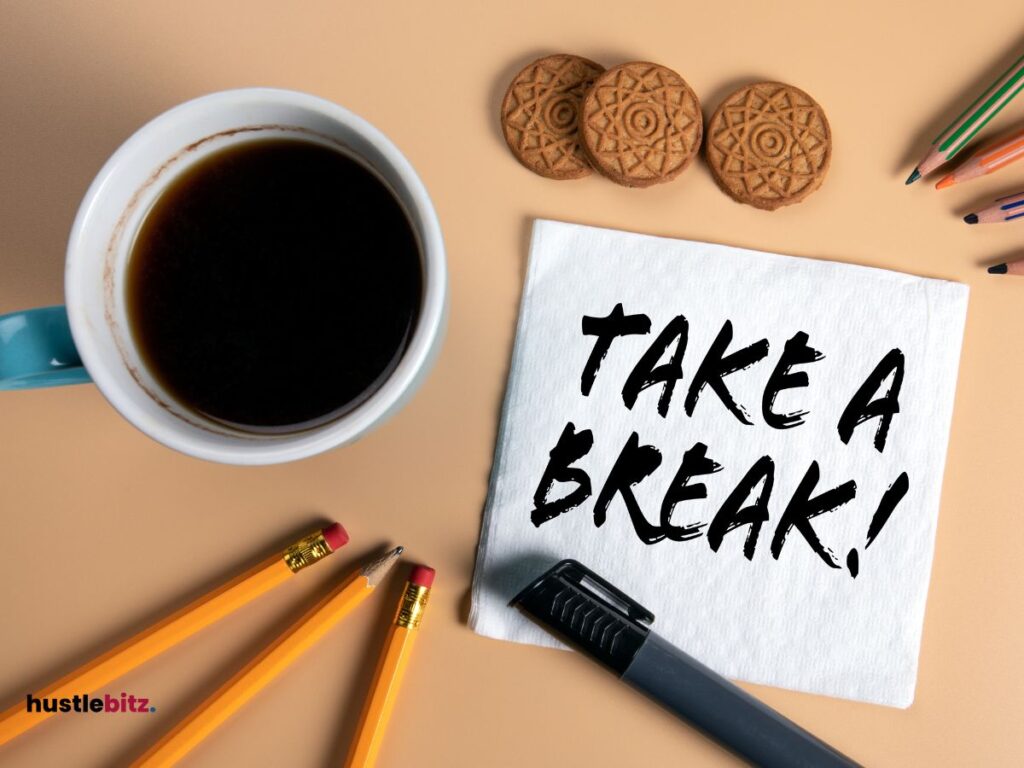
(306, 551)
(414, 602)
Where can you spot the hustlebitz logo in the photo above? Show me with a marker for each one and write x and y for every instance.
(126, 703)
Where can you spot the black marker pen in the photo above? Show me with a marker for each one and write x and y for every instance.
(591, 614)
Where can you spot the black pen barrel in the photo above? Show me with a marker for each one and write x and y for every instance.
(726, 712)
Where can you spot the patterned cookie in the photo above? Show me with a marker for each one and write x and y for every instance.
(769, 145)
(641, 124)
(539, 115)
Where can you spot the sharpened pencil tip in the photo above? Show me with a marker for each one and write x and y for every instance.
(997, 269)
(945, 181)
(971, 218)
(914, 176)
(377, 568)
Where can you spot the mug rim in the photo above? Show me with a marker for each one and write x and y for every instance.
(418, 357)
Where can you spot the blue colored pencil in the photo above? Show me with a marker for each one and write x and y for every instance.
(1009, 208)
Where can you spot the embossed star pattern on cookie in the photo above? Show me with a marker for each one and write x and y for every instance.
(539, 115)
(641, 124)
(769, 145)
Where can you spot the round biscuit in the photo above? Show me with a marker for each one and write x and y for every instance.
(539, 115)
(641, 124)
(769, 145)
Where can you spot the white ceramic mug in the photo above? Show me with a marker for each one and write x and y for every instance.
(35, 349)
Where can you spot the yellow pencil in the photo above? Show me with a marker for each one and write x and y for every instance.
(269, 663)
(170, 631)
(390, 670)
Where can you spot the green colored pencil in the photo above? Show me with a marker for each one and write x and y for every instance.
(962, 130)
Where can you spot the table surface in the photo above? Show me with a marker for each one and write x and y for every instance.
(105, 530)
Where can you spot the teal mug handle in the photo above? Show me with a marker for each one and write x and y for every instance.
(37, 350)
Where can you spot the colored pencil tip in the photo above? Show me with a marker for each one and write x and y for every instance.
(971, 218)
(946, 181)
(997, 269)
(914, 176)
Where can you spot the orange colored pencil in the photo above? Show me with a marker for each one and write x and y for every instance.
(960, 132)
(170, 631)
(391, 669)
(989, 159)
(268, 664)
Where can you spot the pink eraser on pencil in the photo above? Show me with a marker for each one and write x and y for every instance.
(336, 536)
(421, 576)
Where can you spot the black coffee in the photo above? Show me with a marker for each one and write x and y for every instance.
(274, 285)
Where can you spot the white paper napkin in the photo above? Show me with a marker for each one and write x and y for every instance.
(793, 617)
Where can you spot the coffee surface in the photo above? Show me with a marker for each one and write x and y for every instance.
(274, 285)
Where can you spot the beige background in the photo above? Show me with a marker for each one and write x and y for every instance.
(104, 530)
